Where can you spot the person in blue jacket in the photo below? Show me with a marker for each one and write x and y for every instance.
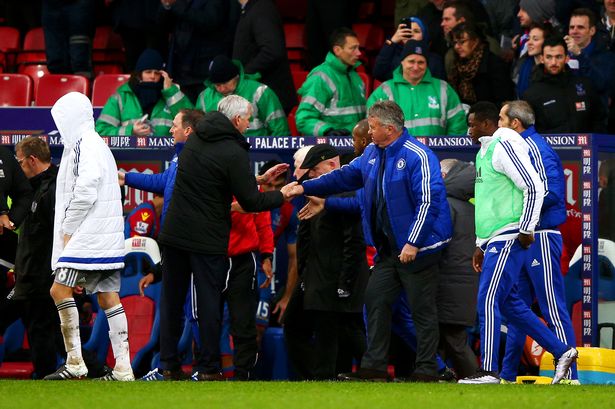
(406, 218)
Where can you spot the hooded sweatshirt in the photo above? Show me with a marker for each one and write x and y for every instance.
(88, 201)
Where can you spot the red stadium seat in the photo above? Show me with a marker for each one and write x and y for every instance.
(107, 68)
(299, 77)
(9, 45)
(15, 90)
(292, 124)
(33, 47)
(107, 46)
(294, 33)
(371, 37)
(105, 85)
(377, 83)
(35, 72)
(367, 80)
(53, 86)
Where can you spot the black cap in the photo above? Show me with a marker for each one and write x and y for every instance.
(414, 47)
(317, 154)
(222, 70)
(149, 59)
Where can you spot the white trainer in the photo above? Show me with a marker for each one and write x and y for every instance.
(481, 377)
(67, 371)
(115, 375)
(563, 363)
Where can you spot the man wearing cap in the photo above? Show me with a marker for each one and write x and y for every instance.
(146, 104)
(333, 95)
(406, 217)
(333, 274)
(431, 106)
(226, 77)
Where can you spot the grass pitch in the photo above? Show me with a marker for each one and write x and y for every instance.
(297, 395)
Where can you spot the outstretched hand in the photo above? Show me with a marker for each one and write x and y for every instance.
(292, 190)
(272, 174)
(314, 206)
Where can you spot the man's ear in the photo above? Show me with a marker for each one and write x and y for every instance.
(337, 50)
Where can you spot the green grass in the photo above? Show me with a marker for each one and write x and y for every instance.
(289, 395)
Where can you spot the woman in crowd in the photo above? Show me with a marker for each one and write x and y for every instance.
(522, 71)
(146, 104)
(477, 73)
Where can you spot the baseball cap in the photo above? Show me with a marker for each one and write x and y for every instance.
(317, 154)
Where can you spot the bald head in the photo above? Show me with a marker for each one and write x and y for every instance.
(360, 136)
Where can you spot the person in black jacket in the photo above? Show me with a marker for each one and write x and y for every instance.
(457, 281)
(13, 184)
(323, 324)
(259, 45)
(562, 102)
(213, 167)
(33, 279)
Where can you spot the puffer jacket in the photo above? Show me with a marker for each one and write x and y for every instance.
(332, 97)
(415, 195)
(123, 110)
(88, 202)
(268, 117)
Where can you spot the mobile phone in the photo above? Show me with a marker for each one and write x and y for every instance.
(144, 118)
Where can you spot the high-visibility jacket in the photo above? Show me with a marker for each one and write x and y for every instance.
(123, 110)
(432, 107)
(332, 97)
(268, 117)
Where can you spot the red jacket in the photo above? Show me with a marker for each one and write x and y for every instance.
(250, 232)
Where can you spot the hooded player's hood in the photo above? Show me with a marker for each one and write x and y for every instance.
(74, 117)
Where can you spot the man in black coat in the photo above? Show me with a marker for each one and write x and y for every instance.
(13, 184)
(457, 281)
(213, 167)
(30, 298)
(259, 45)
(323, 321)
(562, 102)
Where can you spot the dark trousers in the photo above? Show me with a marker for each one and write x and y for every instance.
(454, 346)
(40, 317)
(315, 339)
(242, 298)
(419, 280)
(69, 29)
(210, 275)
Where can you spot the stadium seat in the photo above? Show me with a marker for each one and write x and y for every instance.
(14, 339)
(292, 123)
(294, 33)
(367, 80)
(33, 51)
(299, 77)
(104, 86)
(142, 313)
(53, 86)
(35, 72)
(377, 83)
(9, 45)
(99, 69)
(107, 46)
(371, 37)
(15, 90)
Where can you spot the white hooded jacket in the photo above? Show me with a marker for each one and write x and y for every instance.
(88, 200)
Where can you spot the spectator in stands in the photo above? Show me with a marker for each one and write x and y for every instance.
(561, 101)
(431, 106)
(260, 47)
(412, 28)
(333, 95)
(456, 12)
(608, 22)
(146, 104)
(589, 53)
(69, 29)
(88, 242)
(195, 237)
(477, 73)
(333, 278)
(458, 283)
(136, 22)
(405, 8)
(524, 66)
(144, 219)
(226, 77)
(390, 212)
(33, 279)
(503, 20)
(431, 16)
(200, 31)
(530, 12)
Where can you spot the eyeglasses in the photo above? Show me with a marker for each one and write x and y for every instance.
(460, 42)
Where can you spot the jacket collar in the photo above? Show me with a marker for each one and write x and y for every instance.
(338, 65)
(528, 132)
(398, 76)
(393, 149)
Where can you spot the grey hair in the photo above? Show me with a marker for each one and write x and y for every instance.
(233, 106)
(447, 164)
(522, 111)
(299, 156)
(389, 113)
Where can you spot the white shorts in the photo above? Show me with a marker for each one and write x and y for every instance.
(94, 281)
